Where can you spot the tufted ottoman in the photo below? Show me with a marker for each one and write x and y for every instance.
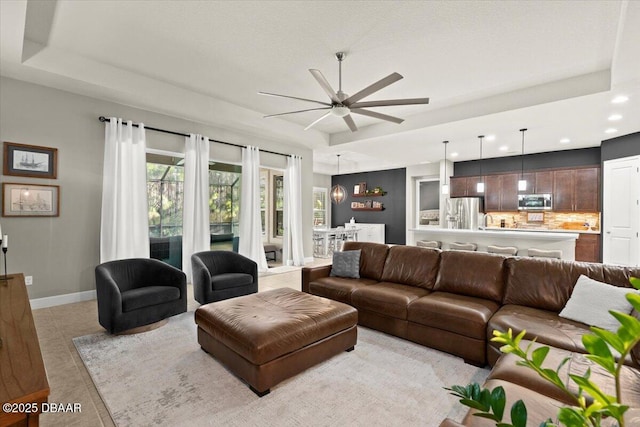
(267, 337)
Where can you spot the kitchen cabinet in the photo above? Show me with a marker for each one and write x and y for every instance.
(501, 192)
(576, 190)
(368, 232)
(539, 182)
(588, 248)
(464, 186)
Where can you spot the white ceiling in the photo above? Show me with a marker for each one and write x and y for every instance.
(489, 67)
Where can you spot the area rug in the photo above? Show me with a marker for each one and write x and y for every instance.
(162, 377)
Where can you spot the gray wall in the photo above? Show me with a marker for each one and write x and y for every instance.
(61, 253)
(429, 195)
(622, 146)
(393, 182)
(549, 160)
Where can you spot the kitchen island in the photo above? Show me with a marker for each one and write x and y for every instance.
(521, 239)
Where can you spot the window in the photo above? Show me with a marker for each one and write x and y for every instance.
(320, 196)
(427, 202)
(278, 206)
(165, 190)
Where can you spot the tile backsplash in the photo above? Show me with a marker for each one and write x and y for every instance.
(551, 220)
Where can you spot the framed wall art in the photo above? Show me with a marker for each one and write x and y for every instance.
(28, 200)
(30, 160)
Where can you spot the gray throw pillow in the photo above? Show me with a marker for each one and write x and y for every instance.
(346, 264)
(591, 301)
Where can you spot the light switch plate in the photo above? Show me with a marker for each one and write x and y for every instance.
(28, 280)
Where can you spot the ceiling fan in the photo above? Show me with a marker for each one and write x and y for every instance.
(342, 105)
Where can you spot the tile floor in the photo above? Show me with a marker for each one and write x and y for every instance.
(68, 378)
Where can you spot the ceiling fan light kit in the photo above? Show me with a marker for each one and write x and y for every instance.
(342, 105)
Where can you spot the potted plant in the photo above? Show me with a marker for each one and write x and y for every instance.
(491, 403)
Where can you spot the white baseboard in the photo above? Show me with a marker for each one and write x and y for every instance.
(62, 299)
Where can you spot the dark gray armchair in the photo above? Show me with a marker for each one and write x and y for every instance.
(219, 275)
(138, 291)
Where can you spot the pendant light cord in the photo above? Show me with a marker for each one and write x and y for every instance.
(522, 155)
(481, 177)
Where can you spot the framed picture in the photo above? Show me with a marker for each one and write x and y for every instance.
(356, 189)
(30, 160)
(362, 187)
(30, 200)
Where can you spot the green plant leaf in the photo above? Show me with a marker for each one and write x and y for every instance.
(616, 410)
(538, 355)
(610, 338)
(596, 345)
(498, 401)
(635, 282)
(487, 415)
(519, 414)
(634, 299)
(571, 417)
(629, 325)
(592, 389)
(474, 404)
(608, 363)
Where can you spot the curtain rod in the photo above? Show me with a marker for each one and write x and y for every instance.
(106, 119)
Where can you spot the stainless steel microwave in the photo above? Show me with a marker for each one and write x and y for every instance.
(534, 202)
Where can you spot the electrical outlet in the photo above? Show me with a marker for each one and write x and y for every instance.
(28, 280)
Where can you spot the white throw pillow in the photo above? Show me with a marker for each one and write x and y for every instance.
(591, 301)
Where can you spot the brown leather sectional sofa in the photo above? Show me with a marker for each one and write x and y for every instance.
(453, 300)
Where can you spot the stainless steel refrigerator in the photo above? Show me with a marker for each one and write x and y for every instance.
(463, 212)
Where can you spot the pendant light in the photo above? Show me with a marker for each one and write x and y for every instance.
(338, 192)
(480, 185)
(522, 183)
(445, 186)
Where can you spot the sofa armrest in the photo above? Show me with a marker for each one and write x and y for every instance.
(309, 274)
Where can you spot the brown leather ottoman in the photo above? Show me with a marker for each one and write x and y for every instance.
(267, 337)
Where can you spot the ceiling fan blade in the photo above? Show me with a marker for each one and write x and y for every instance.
(325, 85)
(318, 120)
(377, 115)
(294, 97)
(349, 121)
(380, 84)
(389, 102)
(298, 111)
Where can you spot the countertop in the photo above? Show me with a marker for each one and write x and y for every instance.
(505, 232)
(544, 230)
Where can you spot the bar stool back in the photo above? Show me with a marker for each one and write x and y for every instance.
(429, 244)
(459, 246)
(502, 250)
(544, 253)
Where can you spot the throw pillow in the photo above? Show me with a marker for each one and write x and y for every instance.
(346, 264)
(591, 301)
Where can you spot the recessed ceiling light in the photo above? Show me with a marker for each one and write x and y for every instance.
(504, 148)
(620, 99)
(614, 117)
(565, 141)
(424, 162)
(611, 130)
(454, 154)
(490, 138)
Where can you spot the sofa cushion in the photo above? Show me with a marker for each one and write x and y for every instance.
(346, 264)
(411, 265)
(545, 283)
(372, 258)
(591, 301)
(506, 369)
(546, 326)
(230, 280)
(338, 288)
(473, 274)
(138, 298)
(389, 299)
(461, 314)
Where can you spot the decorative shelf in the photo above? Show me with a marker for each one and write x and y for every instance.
(370, 194)
(367, 209)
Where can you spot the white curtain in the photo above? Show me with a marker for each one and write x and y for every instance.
(250, 244)
(292, 251)
(195, 213)
(124, 226)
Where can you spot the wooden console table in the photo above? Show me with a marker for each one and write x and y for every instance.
(23, 380)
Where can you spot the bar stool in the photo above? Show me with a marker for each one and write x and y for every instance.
(542, 253)
(502, 250)
(434, 244)
(458, 246)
